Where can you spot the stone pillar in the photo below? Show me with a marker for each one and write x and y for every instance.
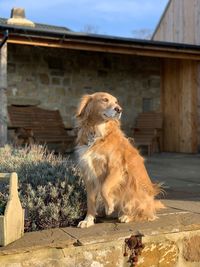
(3, 95)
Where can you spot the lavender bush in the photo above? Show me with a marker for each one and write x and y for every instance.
(50, 188)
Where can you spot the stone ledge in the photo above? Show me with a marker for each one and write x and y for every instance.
(160, 250)
(166, 242)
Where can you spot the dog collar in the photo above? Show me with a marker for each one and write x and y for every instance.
(91, 139)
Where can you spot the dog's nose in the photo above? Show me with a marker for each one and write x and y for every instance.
(118, 109)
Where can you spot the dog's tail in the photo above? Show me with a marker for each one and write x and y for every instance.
(158, 189)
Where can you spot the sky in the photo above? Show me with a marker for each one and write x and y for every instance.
(111, 17)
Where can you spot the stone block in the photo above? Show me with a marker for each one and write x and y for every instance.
(22, 58)
(57, 73)
(54, 62)
(60, 91)
(11, 67)
(66, 81)
(55, 81)
(154, 82)
(16, 78)
(161, 254)
(23, 101)
(44, 78)
(191, 249)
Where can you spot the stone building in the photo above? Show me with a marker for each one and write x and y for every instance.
(52, 67)
(54, 78)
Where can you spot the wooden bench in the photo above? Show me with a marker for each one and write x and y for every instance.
(43, 126)
(148, 131)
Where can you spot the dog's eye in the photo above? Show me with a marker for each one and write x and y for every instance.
(105, 99)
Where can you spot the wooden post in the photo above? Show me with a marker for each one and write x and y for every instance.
(179, 105)
(12, 221)
(3, 95)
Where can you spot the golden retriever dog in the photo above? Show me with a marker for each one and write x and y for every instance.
(111, 166)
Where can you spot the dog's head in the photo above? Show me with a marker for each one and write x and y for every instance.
(99, 107)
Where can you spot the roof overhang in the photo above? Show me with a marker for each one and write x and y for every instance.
(101, 43)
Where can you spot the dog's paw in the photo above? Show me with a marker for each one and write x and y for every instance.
(87, 222)
(152, 218)
(125, 219)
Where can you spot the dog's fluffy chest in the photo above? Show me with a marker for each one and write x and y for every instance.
(91, 162)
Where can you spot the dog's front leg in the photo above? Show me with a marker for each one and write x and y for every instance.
(91, 207)
(109, 184)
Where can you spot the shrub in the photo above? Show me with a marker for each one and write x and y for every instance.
(3, 201)
(50, 187)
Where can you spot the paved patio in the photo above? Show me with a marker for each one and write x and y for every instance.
(180, 174)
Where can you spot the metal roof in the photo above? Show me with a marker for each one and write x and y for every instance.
(65, 35)
(38, 27)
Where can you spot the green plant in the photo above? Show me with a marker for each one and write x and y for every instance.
(50, 187)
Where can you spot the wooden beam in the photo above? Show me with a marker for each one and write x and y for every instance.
(100, 46)
(179, 105)
(3, 95)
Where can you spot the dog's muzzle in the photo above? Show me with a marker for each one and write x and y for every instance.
(114, 113)
(118, 111)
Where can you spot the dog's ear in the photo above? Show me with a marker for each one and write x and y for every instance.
(83, 105)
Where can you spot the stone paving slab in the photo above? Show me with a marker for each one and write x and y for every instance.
(192, 206)
(179, 173)
(40, 239)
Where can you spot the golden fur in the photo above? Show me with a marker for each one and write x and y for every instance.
(110, 165)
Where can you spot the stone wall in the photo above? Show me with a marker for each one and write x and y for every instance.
(169, 250)
(56, 79)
